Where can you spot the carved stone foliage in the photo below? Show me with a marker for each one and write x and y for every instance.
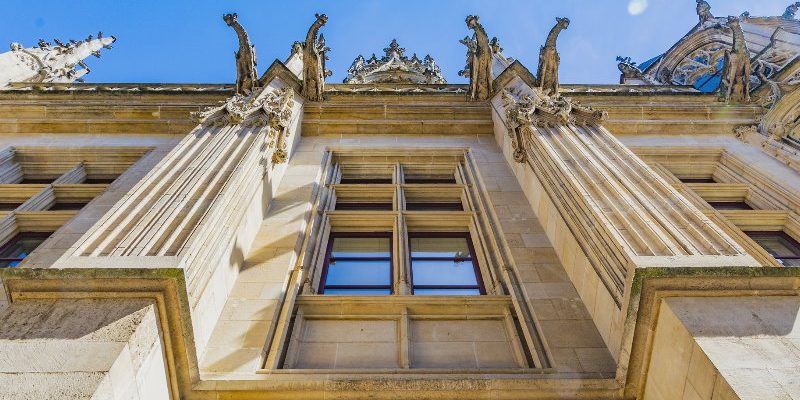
(314, 61)
(480, 61)
(246, 74)
(735, 85)
(547, 73)
(539, 108)
(395, 67)
(271, 109)
(46, 62)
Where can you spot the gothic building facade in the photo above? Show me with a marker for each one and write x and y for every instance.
(396, 236)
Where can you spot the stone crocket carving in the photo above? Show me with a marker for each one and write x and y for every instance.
(547, 74)
(791, 10)
(246, 75)
(735, 85)
(480, 65)
(313, 61)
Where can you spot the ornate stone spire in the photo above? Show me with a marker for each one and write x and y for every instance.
(547, 73)
(479, 55)
(59, 63)
(735, 85)
(314, 61)
(246, 75)
(395, 67)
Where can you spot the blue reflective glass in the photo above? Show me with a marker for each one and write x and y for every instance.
(361, 247)
(443, 272)
(358, 292)
(447, 292)
(440, 247)
(358, 272)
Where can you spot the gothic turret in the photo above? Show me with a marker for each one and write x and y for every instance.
(62, 62)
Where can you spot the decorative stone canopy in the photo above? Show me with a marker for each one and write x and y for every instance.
(395, 67)
(52, 63)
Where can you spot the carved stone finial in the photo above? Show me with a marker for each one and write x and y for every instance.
(703, 11)
(735, 84)
(314, 61)
(495, 45)
(394, 67)
(480, 62)
(246, 74)
(791, 10)
(547, 73)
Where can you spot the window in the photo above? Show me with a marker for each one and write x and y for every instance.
(9, 206)
(783, 247)
(730, 205)
(365, 180)
(431, 180)
(358, 264)
(19, 247)
(434, 206)
(37, 181)
(58, 206)
(95, 181)
(444, 264)
(363, 206)
(698, 180)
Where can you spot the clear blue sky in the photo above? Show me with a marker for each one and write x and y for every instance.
(187, 41)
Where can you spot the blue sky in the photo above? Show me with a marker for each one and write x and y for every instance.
(187, 42)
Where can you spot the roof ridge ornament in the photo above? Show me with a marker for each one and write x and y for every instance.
(246, 74)
(704, 11)
(394, 67)
(549, 60)
(791, 10)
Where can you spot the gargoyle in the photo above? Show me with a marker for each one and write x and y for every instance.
(704, 11)
(314, 61)
(246, 75)
(547, 73)
(480, 64)
(735, 85)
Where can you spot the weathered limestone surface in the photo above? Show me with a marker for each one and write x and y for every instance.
(726, 348)
(81, 349)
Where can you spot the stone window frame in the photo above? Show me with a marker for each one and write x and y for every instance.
(328, 257)
(503, 303)
(774, 209)
(480, 285)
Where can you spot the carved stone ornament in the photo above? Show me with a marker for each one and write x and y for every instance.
(264, 108)
(538, 108)
(59, 63)
(791, 10)
(246, 74)
(735, 85)
(314, 61)
(480, 61)
(395, 67)
(547, 73)
(704, 11)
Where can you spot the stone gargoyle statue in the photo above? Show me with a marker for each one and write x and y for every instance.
(314, 61)
(480, 64)
(735, 85)
(246, 74)
(547, 73)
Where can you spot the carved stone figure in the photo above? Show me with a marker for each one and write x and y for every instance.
(246, 75)
(704, 11)
(791, 10)
(547, 74)
(735, 85)
(480, 65)
(313, 61)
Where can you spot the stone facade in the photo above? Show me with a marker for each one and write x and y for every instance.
(621, 238)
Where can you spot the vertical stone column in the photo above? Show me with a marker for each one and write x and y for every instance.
(611, 212)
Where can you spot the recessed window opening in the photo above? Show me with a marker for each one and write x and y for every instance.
(444, 264)
(730, 205)
(20, 246)
(358, 264)
(780, 245)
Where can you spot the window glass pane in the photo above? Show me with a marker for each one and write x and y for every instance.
(430, 179)
(9, 206)
(361, 247)
(443, 273)
(433, 206)
(356, 292)
(364, 180)
(358, 273)
(730, 205)
(777, 244)
(790, 262)
(439, 247)
(447, 292)
(21, 246)
(364, 206)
